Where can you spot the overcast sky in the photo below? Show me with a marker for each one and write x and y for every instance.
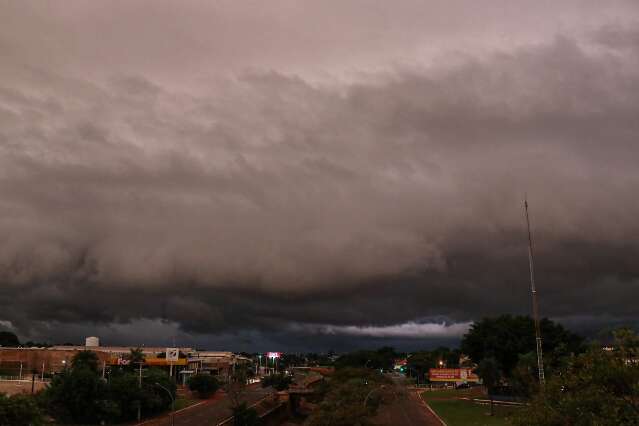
(294, 175)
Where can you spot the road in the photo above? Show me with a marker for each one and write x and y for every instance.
(210, 412)
(407, 409)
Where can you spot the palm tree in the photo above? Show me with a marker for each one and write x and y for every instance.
(136, 356)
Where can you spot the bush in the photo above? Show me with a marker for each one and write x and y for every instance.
(279, 381)
(596, 388)
(19, 410)
(204, 384)
(245, 416)
(80, 395)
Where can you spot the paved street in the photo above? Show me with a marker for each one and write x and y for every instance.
(209, 413)
(406, 410)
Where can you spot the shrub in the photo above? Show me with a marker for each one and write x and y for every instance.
(19, 410)
(204, 384)
(245, 416)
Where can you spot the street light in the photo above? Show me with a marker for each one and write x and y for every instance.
(172, 403)
(441, 364)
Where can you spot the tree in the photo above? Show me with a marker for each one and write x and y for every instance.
(85, 360)
(123, 390)
(506, 337)
(154, 399)
(489, 372)
(236, 388)
(19, 410)
(598, 387)
(245, 416)
(346, 405)
(79, 395)
(204, 384)
(419, 363)
(524, 379)
(381, 359)
(135, 356)
(279, 382)
(352, 398)
(7, 338)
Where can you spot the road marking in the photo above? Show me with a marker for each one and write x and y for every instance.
(169, 414)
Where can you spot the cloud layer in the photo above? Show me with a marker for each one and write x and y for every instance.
(256, 199)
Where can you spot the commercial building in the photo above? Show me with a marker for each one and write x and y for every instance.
(46, 361)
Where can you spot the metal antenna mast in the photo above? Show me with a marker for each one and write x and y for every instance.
(535, 303)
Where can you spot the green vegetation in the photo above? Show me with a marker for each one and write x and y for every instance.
(506, 338)
(245, 416)
(79, 394)
(204, 384)
(584, 386)
(595, 388)
(448, 394)
(466, 413)
(381, 359)
(489, 372)
(418, 363)
(183, 402)
(19, 410)
(457, 412)
(8, 338)
(351, 397)
(279, 381)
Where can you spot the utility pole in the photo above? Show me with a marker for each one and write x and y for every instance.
(535, 303)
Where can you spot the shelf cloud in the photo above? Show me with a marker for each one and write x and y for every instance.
(409, 329)
(260, 184)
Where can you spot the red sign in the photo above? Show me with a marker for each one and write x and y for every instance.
(452, 375)
(274, 354)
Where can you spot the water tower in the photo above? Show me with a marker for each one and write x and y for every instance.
(92, 342)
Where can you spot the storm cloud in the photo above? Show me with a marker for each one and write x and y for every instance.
(277, 197)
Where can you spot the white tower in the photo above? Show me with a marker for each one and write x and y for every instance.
(92, 342)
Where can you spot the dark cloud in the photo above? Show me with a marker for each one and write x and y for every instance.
(274, 209)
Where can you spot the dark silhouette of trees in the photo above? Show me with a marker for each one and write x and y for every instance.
(80, 395)
(7, 338)
(19, 410)
(489, 372)
(204, 384)
(599, 387)
(506, 337)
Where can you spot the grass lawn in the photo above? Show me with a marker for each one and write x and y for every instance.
(466, 413)
(183, 402)
(457, 412)
(450, 393)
